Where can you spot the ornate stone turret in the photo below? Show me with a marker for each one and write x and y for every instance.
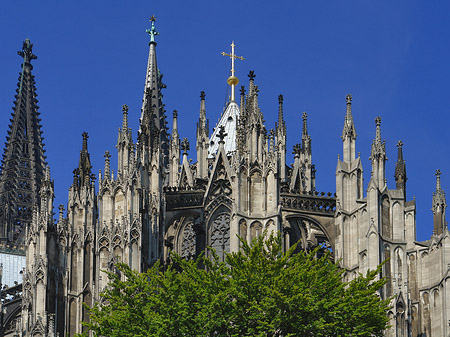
(439, 206)
(378, 157)
(400, 170)
(22, 170)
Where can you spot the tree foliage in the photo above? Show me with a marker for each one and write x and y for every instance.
(259, 291)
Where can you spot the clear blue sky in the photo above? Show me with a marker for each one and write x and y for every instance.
(392, 56)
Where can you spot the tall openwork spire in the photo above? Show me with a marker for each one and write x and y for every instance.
(22, 170)
(232, 80)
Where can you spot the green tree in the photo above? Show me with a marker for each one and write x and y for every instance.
(259, 291)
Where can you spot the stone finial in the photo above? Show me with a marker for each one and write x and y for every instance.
(348, 98)
(400, 151)
(305, 123)
(349, 130)
(280, 99)
(85, 138)
(47, 173)
(75, 176)
(272, 139)
(438, 180)
(27, 51)
(242, 90)
(202, 95)
(61, 214)
(185, 145)
(400, 169)
(251, 75)
(221, 135)
(280, 110)
(175, 113)
(378, 121)
(125, 117)
(297, 150)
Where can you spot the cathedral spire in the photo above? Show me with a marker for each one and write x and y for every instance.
(400, 169)
(439, 206)
(23, 157)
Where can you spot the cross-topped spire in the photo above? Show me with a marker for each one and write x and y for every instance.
(152, 31)
(222, 134)
(202, 95)
(232, 80)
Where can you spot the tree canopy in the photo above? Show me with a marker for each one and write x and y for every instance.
(258, 291)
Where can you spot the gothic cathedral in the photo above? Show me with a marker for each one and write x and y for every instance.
(160, 201)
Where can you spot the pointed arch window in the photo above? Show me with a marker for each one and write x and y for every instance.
(220, 235)
(189, 242)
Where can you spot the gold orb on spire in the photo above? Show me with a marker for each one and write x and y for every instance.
(232, 80)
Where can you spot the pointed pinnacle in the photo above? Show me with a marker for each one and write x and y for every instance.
(125, 118)
(438, 180)
(305, 125)
(85, 138)
(400, 151)
(280, 110)
(378, 131)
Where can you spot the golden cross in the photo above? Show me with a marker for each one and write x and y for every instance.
(232, 80)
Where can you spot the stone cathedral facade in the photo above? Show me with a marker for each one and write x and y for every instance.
(159, 200)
